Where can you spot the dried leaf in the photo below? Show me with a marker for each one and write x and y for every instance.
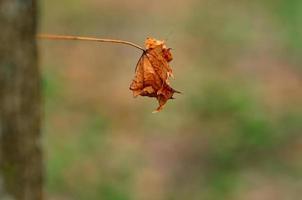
(152, 73)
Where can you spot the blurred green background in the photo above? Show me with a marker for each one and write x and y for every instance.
(235, 133)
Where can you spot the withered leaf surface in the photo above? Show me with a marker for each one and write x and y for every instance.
(152, 73)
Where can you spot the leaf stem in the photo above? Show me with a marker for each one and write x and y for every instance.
(71, 37)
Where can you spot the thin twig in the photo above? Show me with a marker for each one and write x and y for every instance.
(70, 37)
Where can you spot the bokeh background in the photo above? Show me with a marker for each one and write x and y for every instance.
(235, 133)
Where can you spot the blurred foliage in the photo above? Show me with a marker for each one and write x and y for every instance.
(244, 136)
(234, 133)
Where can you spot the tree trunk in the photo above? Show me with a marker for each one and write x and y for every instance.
(20, 103)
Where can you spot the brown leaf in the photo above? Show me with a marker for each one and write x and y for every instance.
(152, 73)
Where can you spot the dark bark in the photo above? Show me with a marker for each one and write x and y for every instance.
(20, 103)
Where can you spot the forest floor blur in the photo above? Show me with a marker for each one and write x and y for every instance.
(235, 133)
